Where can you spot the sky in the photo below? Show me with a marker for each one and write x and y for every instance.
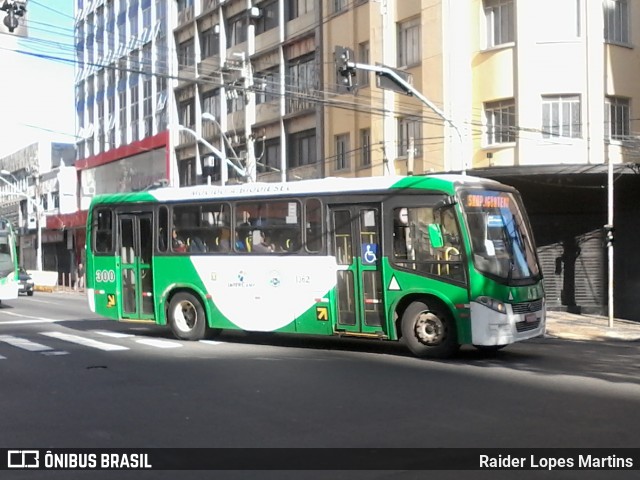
(37, 78)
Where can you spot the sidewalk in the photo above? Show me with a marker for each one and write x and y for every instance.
(572, 326)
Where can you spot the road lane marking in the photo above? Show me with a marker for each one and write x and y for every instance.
(30, 319)
(159, 343)
(210, 342)
(87, 342)
(24, 343)
(107, 333)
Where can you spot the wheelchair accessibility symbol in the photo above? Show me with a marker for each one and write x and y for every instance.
(369, 253)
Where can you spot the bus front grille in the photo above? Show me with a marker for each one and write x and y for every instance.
(527, 307)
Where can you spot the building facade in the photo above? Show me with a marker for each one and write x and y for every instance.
(40, 174)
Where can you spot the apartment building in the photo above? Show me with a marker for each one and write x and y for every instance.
(249, 84)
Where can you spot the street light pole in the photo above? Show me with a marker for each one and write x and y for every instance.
(36, 206)
(215, 151)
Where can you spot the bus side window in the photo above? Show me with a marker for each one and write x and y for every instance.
(103, 230)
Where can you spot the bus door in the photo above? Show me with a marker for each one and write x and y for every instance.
(357, 246)
(135, 245)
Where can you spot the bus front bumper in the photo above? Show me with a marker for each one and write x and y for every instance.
(491, 328)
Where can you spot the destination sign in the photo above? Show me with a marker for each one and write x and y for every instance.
(488, 200)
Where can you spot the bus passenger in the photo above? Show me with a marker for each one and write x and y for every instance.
(177, 244)
(263, 246)
(224, 242)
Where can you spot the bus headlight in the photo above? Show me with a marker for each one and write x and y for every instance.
(493, 304)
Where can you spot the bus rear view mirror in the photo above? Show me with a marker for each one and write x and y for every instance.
(435, 236)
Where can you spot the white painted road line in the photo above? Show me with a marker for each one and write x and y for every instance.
(210, 342)
(87, 342)
(24, 344)
(27, 319)
(159, 343)
(107, 333)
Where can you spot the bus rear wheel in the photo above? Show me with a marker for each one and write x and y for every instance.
(186, 317)
(429, 331)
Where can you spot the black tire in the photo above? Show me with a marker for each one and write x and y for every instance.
(186, 317)
(30, 294)
(429, 331)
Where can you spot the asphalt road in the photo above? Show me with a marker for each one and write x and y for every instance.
(70, 379)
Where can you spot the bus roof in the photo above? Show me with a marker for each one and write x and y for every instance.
(445, 183)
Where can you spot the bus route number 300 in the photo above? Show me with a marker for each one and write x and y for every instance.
(105, 276)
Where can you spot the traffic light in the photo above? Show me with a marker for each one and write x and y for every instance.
(608, 234)
(346, 70)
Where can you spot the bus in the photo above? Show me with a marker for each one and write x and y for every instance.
(8, 262)
(435, 261)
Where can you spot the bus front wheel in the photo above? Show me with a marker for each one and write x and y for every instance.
(186, 317)
(429, 331)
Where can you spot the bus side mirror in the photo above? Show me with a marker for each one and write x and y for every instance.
(435, 236)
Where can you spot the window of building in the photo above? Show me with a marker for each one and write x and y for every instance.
(146, 13)
(302, 80)
(133, 19)
(302, 148)
(340, 5)
(267, 85)
(409, 43)
(342, 151)
(297, 8)
(211, 103)
(237, 30)
(616, 118)
(184, 4)
(210, 43)
(187, 53)
(616, 21)
(365, 147)
(409, 128)
(122, 101)
(268, 155)
(268, 17)
(500, 20)
(235, 100)
(363, 57)
(561, 116)
(135, 113)
(187, 172)
(501, 121)
(147, 106)
(147, 59)
(187, 114)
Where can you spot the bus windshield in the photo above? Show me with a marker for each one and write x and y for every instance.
(501, 240)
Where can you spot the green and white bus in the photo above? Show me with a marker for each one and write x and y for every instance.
(436, 261)
(8, 262)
